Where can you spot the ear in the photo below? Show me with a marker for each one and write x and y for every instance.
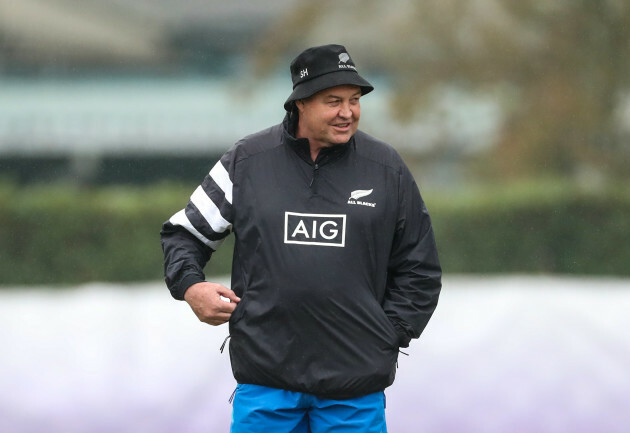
(299, 103)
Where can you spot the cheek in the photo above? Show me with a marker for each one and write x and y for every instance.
(316, 122)
(356, 112)
(327, 118)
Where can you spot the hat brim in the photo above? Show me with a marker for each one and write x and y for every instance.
(326, 81)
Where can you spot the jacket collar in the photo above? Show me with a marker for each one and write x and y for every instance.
(302, 147)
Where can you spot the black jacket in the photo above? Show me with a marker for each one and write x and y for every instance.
(335, 260)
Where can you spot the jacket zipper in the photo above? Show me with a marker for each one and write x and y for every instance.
(315, 170)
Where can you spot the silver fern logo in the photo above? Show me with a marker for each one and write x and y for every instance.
(358, 194)
(344, 58)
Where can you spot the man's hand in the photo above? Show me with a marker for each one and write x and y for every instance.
(205, 300)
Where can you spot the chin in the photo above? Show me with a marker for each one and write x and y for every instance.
(339, 140)
(342, 138)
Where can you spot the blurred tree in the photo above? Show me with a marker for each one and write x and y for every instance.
(560, 70)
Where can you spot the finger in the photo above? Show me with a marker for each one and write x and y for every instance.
(216, 322)
(228, 293)
(219, 319)
(226, 307)
(216, 318)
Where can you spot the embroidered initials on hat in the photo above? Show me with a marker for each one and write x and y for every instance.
(314, 69)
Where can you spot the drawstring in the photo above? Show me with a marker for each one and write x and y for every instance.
(223, 345)
(232, 396)
(400, 351)
(231, 399)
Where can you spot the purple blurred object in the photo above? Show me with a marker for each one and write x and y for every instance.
(501, 354)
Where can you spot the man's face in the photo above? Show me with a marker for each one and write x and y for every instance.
(330, 116)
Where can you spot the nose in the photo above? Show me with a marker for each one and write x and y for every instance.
(345, 111)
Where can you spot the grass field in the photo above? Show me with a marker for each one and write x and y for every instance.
(502, 354)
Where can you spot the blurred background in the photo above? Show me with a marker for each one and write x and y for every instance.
(514, 117)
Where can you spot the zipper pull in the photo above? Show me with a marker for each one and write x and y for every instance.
(315, 168)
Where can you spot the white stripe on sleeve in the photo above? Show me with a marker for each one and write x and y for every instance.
(222, 178)
(209, 210)
(180, 219)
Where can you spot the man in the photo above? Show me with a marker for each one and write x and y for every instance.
(335, 265)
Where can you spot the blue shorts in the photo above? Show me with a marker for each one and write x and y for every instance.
(262, 409)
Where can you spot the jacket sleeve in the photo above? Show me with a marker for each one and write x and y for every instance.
(414, 272)
(191, 235)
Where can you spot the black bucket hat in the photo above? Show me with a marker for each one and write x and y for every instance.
(319, 68)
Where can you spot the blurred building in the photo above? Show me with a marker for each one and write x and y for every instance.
(145, 90)
(66, 35)
(124, 90)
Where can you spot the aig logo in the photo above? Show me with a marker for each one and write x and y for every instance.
(315, 229)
